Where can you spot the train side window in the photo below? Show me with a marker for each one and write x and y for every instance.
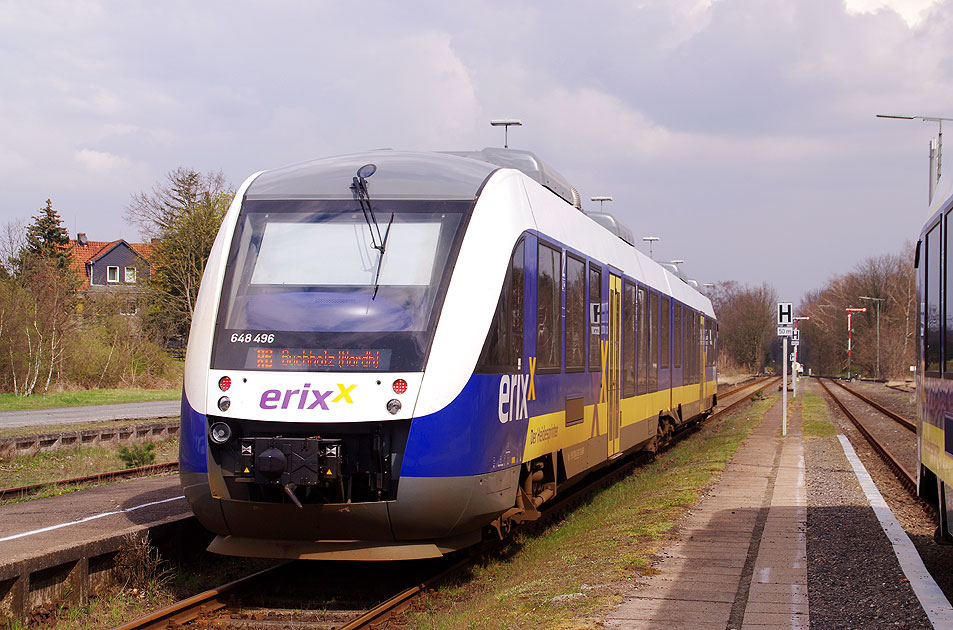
(691, 341)
(504, 343)
(653, 342)
(642, 338)
(575, 314)
(664, 331)
(595, 318)
(932, 294)
(697, 348)
(709, 344)
(549, 323)
(677, 332)
(948, 295)
(628, 341)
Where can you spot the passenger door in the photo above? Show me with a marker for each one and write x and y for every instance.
(614, 364)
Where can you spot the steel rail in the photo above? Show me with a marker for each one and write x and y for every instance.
(906, 479)
(189, 609)
(20, 491)
(894, 416)
(902, 388)
(755, 387)
(753, 381)
(399, 602)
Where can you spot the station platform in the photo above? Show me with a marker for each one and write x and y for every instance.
(63, 546)
(744, 558)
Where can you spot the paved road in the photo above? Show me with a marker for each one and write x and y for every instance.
(91, 413)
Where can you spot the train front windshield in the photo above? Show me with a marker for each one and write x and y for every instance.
(307, 287)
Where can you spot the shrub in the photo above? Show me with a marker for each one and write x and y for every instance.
(138, 454)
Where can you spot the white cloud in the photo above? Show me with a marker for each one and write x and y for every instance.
(602, 127)
(100, 162)
(913, 12)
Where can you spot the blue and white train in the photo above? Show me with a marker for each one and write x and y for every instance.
(393, 351)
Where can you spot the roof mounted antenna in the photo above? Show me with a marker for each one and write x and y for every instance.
(506, 123)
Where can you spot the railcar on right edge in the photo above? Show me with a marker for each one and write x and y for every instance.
(934, 375)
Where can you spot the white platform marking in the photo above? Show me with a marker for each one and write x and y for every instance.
(88, 518)
(934, 602)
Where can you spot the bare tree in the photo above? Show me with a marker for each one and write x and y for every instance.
(182, 216)
(745, 322)
(12, 242)
(891, 281)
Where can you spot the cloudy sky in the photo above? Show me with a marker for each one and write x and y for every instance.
(741, 132)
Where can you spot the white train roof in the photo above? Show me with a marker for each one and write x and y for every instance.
(399, 175)
(461, 175)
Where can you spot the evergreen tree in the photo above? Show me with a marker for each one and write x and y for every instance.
(48, 240)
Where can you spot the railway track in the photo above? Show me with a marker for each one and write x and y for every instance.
(17, 492)
(210, 605)
(906, 478)
(907, 424)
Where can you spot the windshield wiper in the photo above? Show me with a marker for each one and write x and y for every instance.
(380, 259)
(359, 185)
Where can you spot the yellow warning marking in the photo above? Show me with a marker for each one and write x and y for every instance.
(329, 473)
(248, 471)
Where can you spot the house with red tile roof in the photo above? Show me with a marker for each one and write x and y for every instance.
(110, 266)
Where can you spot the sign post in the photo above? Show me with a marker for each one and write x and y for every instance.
(795, 340)
(785, 320)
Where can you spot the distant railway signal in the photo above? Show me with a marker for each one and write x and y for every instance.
(850, 313)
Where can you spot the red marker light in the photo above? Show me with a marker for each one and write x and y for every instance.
(224, 383)
(400, 386)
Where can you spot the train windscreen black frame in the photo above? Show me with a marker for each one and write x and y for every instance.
(305, 284)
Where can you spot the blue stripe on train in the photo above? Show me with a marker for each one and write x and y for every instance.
(467, 438)
(192, 453)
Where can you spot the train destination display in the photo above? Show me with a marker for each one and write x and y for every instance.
(317, 359)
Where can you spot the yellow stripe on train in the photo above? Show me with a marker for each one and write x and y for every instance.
(933, 452)
(550, 432)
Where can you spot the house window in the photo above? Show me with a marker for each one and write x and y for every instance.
(130, 275)
(112, 274)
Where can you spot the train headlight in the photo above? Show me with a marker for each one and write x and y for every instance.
(400, 386)
(224, 403)
(224, 383)
(220, 433)
(393, 406)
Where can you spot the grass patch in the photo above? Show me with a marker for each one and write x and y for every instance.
(570, 575)
(12, 402)
(45, 467)
(815, 416)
